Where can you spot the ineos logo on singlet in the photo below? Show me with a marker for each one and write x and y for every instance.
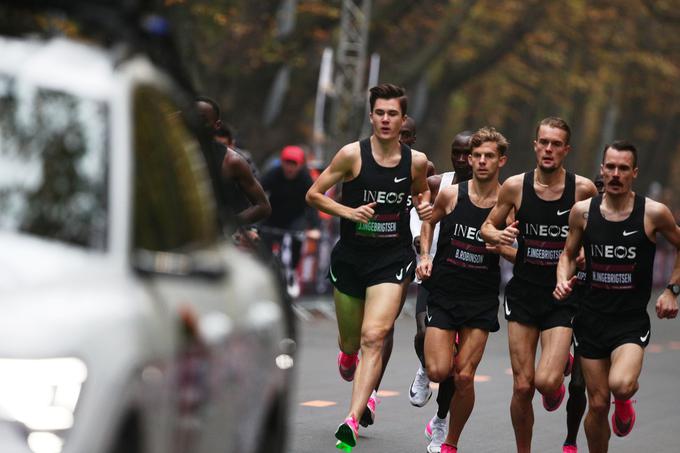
(613, 251)
(382, 197)
(467, 232)
(553, 231)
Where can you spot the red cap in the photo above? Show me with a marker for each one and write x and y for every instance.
(294, 153)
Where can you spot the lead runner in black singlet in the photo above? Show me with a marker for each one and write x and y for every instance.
(618, 233)
(464, 277)
(373, 262)
(541, 201)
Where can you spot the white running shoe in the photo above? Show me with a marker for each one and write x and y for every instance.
(419, 393)
(435, 432)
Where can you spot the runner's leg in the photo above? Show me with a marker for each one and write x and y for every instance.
(470, 350)
(522, 341)
(381, 308)
(596, 425)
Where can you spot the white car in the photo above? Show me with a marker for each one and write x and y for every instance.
(129, 323)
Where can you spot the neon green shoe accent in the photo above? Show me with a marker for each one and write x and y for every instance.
(340, 445)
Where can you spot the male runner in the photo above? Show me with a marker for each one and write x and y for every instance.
(241, 195)
(373, 262)
(576, 403)
(464, 278)
(419, 391)
(541, 200)
(618, 232)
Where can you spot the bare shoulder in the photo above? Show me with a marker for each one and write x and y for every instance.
(581, 207)
(450, 191)
(585, 188)
(350, 151)
(513, 185)
(657, 212)
(418, 158)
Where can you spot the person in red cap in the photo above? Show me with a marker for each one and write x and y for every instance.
(286, 186)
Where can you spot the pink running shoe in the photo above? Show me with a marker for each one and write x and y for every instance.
(348, 431)
(368, 417)
(446, 448)
(551, 404)
(347, 365)
(569, 366)
(623, 428)
(569, 449)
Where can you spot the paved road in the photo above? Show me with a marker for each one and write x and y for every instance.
(321, 398)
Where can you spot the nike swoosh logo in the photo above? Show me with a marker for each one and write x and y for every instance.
(330, 270)
(398, 180)
(628, 233)
(429, 318)
(562, 212)
(400, 275)
(643, 339)
(507, 309)
(409, 265)
(575, 341)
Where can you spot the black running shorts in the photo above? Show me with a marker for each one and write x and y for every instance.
(450, 314)
(351, 271)
(597, 335)
(535, 305)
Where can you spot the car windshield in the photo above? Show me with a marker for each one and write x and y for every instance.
(53, 164)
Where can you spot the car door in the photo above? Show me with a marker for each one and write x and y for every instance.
(177, 250)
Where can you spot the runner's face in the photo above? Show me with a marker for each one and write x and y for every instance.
(485, 161)
(386, 119)
(551, 148)
(406, 135)
(617, 171)
(460, 162)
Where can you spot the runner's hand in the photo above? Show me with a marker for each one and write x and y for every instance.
(423, 208)
(313, 234)
(564, 288)
(424, 267)
(509, 234)
(363, 213)
(667, 305)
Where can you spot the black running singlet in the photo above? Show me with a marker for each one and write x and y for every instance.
(619, 261)
(390, 187)
(463, 267)
(543, 227)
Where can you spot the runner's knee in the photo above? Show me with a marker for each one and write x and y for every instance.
(599, 406)
(437, 372)
(464, 379)
(374, 337)
(523, 389)
(547, 383)
(623, 387)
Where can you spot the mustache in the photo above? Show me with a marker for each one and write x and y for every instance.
(615, 183)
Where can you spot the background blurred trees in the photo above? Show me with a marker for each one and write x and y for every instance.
(611, 68)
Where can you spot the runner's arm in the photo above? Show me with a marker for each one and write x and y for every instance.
(664, 223)
(238, 167)
(566, 266)
(420, 191)
(340, 168)
(443, 204)
(508, 195)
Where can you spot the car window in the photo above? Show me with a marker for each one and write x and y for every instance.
(174, 209)
(53, 164)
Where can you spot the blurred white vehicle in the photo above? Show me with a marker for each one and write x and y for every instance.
(129, 324)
